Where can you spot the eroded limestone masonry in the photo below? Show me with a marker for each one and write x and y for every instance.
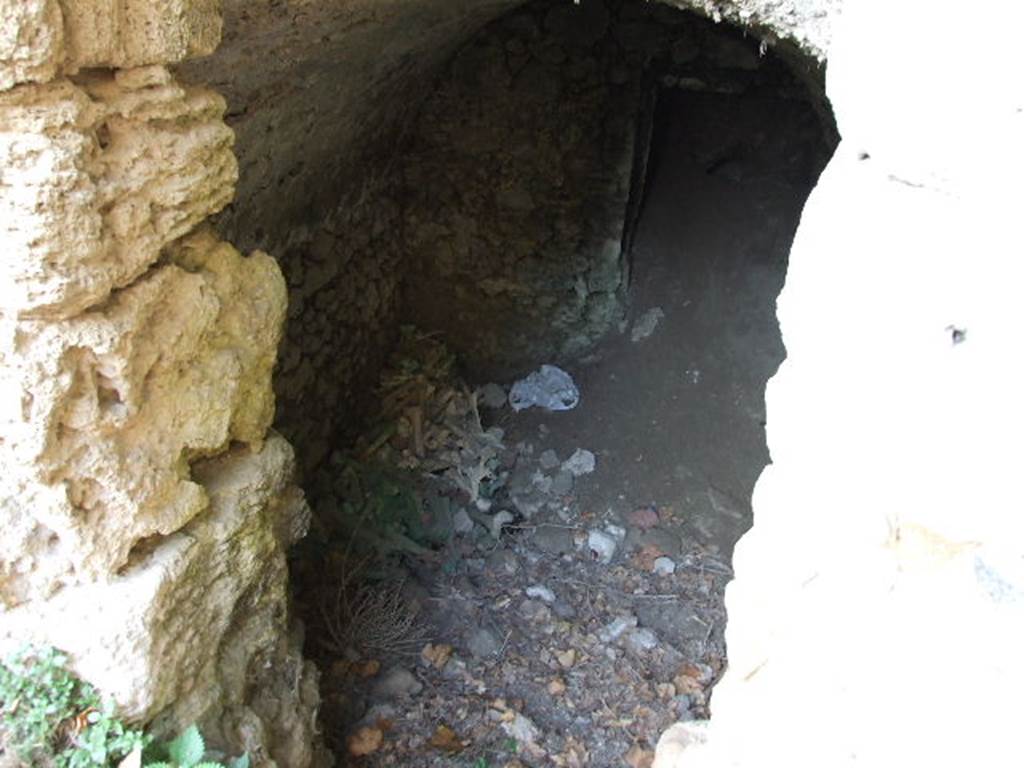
(147, 506)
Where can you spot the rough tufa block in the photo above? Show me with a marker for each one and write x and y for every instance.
(105, 413)
(96, 178)
(41, 39)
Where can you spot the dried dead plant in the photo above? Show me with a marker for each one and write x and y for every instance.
(372, 619)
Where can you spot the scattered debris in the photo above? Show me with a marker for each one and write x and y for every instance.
(440, 545)
(550, 388)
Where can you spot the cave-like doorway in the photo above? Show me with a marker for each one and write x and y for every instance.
(612, 188)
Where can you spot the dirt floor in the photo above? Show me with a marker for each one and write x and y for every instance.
(573, 609)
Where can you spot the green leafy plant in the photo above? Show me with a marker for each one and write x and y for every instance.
(50, 718)
(188, 750)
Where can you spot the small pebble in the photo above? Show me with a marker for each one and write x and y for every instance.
(483, 644)
(639, 640)
(582, 462)
(616, 531)
(561, 483)
(522, 729)
(462, 522)
(492, 396)
(612, 631)
(541, 592)
(664, 566)
(396, 683)
(602, 546)
(541, 482)
(499, 520)
(549, 459)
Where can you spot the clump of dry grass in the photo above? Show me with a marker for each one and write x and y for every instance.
(371, 619)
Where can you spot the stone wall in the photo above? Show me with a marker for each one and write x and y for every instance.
(146, 505)
(526, 168)
(343, 275)
(518, 180)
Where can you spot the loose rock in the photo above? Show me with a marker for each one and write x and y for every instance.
(483, 644)
(615, 629)
(462, 523)
(541, 592)
(562, 483)
(646, 323)
(664, 566)
(397, 683)
(549, 459)
(582, 462)
(642, 639)
(492, 396)
(522, 729)
(602, 546)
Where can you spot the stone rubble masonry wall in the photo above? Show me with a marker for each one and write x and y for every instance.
(517, 183)
(343, 277)
(146, 508)
(521, 167)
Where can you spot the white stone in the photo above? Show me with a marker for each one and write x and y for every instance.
(499, 520)
(522, 729)
(582, 462)
(646, 324)
(396, 683)
(540, 592)
(640, 640)
(602, 546)
(616, 628)
(462, 523)
(664, 566)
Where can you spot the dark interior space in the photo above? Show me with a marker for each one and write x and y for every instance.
(486, 586)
